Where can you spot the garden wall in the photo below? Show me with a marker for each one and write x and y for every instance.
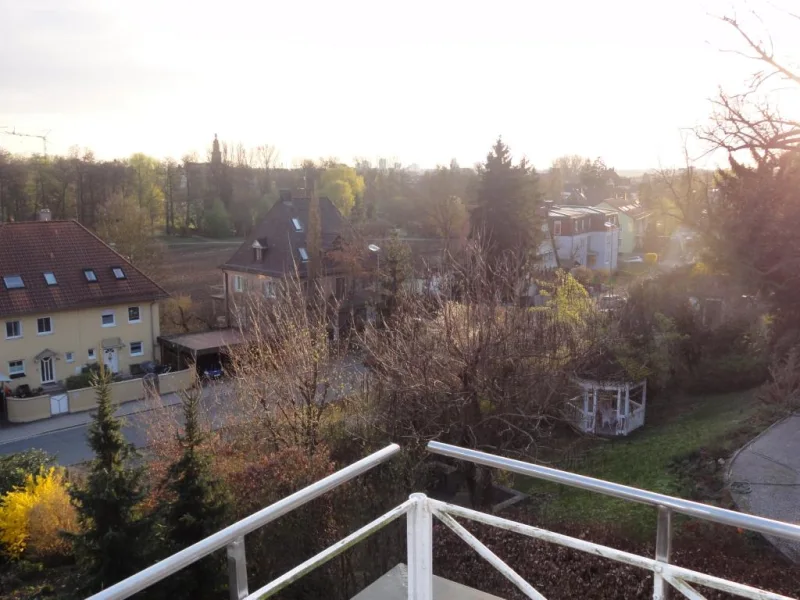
(25, 410)
(121, 391)
(169, 383)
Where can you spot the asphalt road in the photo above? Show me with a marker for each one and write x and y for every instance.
(69, 446)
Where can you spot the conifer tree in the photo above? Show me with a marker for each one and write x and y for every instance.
(199, 507)
(506, 217)
(115, 537)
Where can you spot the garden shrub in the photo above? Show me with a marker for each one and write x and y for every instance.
(15, 468)
(43, 499)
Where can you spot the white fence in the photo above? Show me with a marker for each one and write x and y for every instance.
(421, 510)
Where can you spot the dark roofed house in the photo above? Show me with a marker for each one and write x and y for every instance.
(67, 300)
(278, 248)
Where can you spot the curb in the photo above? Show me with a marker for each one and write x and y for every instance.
(68, 427)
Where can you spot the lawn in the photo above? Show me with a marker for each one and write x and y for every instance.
(653, 458)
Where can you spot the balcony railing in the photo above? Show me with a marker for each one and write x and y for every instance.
(421, 510)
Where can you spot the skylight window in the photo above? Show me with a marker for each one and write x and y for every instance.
(50, 278)
(13, 282)
(303, 254)
(298, 226)
(118, 272)
(91, 276)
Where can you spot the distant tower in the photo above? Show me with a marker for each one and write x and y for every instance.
(216, 155)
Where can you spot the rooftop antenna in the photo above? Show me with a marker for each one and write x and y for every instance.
(30, 135)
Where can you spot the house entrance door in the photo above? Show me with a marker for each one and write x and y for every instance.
(111, 359)
(47, 371)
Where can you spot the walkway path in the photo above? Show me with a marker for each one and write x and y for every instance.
(764, 478)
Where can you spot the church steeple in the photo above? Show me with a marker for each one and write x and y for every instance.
(216, 155)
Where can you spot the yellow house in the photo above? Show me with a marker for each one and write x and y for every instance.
(67, 301)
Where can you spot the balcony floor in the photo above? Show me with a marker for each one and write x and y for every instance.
(393, 586)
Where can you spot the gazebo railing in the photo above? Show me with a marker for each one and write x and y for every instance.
(420, 511)
(574, 414)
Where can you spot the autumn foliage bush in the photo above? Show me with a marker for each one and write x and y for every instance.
(33, 517)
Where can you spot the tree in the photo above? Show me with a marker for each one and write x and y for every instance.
(115, 538)
(506, 216)
(448, 217)
(199, 506)
(217, 221)
(396, 269)
(342, 185)
(148, 185)
(126, 227)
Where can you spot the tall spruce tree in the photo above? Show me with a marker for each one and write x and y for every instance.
(115, 539)
(199, 507)
(506, 217)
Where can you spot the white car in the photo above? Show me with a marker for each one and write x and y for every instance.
(633, 259)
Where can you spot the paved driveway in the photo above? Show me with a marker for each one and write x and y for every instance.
(764, 478)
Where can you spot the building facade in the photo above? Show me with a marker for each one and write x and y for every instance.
(585, 236)
(67, 301)
(633, 222)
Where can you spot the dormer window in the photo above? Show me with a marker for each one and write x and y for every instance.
(50, 278)
(298, 226)
(118, 272)
(303, 254)
(90, 275)
(258, 251)
(13, 282)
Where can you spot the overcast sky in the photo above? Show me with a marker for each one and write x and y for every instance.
(420, 80)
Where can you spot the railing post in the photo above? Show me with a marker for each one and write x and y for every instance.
(237, 570)
(420, 549)
(663, 549)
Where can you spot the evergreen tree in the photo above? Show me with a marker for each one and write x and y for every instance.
(115, 538)
(199, 507)
(397, 269)
(506, 217)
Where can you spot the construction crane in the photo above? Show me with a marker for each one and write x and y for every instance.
(30, 135)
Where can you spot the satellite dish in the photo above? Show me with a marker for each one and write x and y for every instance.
(374, 248)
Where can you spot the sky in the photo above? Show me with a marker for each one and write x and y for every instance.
(418, 81)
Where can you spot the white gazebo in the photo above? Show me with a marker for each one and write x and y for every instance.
(606, 407)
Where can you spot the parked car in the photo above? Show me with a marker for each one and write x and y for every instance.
(633, 259)
(611, 302)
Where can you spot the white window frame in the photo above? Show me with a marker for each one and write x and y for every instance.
(91, 354)
(108, 313)
(69, 357)
(298, 226)
(138, 310)
(303, 254)
(556, 227)
(270, 288)
(238, 284)
(19, 327)
(141, 349)
(18, 373)
(51, 280)
(50, 320)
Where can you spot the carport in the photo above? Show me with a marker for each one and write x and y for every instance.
(203, 348)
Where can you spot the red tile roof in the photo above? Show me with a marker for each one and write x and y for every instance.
(65, 248)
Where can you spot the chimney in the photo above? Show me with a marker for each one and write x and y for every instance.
(286, 196)
(44, 215)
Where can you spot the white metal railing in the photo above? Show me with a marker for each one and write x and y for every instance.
(421, 510)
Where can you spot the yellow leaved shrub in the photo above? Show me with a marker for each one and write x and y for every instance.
(33, 516)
